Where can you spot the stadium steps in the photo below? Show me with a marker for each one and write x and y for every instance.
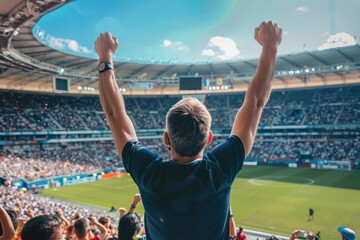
(47, 113)
(304, 118)
(99, 118)
(339, 115)
(154, 119)
(161, 105)
(23, 119)
(137, 105)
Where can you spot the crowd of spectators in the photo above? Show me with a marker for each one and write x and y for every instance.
(321, 149)
(35, 164)
(27, 211)
(32, 165)
(286, 149)
(25, 111)
(29, 111)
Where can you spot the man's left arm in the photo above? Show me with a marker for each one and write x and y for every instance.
(103, 231)
(111, 100)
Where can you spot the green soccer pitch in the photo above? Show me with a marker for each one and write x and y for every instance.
(268, 199)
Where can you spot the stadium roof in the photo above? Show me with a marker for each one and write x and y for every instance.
(26, 61)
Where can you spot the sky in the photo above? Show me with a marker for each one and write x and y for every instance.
(197, 31)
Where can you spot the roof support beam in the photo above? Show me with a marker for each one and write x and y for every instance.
(344, 55)
(138, 70)
(37, 53)
(80, 64)
(232, 68)
(250, 64)
(33, 80)
(290, 62)
(211, 69)
(189, 68)
(317, 59)
(164, 71)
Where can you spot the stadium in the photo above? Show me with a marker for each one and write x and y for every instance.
(57, 149)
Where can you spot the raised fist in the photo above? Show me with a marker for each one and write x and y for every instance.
(268, 34)
(106, 45)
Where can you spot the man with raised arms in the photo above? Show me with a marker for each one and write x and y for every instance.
(187, 196)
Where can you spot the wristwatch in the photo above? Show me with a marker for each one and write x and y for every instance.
(104, 66)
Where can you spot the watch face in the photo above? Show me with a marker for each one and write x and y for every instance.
(101, 66)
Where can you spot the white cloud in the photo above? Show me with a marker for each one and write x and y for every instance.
(178, 45)
(302, 9)
(222, 48)
(73, 45)
(166, 43)
(84, 49)
(55, 42)
(324, 34)
(65, 44)
(341, 39)
(208, 52)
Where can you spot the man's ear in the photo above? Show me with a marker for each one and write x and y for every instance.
(210, 137)
(166, 138)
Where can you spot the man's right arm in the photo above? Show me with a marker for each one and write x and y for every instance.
(246, 122)
(111, 100)
(6, 224)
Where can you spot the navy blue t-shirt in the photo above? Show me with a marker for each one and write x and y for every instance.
(189, 200)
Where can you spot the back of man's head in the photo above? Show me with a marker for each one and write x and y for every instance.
(187, 124)
(13, 218)
(82, 227)
(104, 221)
(44, 227)
(129, 225)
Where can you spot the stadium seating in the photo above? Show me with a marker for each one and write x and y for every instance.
(22, 111)
(37, 112)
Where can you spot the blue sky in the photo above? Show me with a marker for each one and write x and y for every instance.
(192, 31)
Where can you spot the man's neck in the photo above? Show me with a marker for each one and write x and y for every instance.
(180, 159)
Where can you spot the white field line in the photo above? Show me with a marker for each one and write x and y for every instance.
(257, 183)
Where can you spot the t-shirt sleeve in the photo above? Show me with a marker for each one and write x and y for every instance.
(137, 159)
(230, 156)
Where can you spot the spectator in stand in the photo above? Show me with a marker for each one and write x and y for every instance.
(43, 227)
(241, 235)
(188, 196)
(130, 223)
(83, 229)
(301, 234)
(232, 225)
(7, 225)
(129, 226)
(347, 233)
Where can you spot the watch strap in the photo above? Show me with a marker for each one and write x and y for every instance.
(104, 66)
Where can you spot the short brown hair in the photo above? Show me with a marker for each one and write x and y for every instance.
(188, 123)
(82, 226)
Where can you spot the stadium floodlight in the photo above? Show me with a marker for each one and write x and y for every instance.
(339, 67)
(79, 87)
(291, 72)
(307, 70)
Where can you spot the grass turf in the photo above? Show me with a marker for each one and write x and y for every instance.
(270, 199)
